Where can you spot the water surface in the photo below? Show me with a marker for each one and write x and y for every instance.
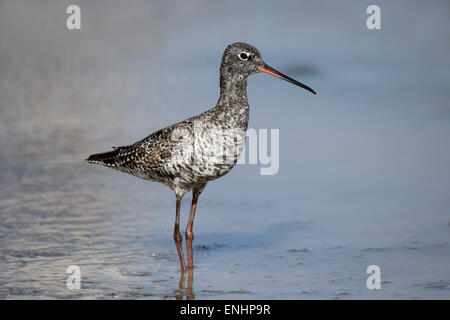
(363, 173)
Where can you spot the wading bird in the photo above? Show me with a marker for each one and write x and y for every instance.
(188, 154)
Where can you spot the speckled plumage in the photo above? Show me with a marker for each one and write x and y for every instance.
(186, 155)
(183, 155)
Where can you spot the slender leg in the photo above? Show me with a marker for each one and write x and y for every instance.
(189, 233)
(188, 292)
(177, 236)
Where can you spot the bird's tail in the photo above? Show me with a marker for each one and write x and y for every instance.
(106, 158)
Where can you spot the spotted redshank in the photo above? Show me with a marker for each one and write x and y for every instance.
(188, 154)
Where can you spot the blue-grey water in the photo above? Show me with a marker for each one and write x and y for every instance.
(364, 176)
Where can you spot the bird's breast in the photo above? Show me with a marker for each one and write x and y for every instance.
(206, 152)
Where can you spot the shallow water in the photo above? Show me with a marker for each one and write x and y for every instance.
(363, 173)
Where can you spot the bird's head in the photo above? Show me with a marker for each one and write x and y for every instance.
(244, 59)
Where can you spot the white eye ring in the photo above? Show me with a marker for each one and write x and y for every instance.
(244, 55)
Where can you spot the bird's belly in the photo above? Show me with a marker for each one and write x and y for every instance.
(208, 155)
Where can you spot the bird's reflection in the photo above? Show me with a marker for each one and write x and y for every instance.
(186, 291)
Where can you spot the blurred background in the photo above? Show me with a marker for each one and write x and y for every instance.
(364, 166)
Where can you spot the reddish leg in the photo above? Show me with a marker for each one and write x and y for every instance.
(189, 233)
(177, 236)
(188, 292)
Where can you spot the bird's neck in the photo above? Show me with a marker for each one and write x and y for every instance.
(233, 100)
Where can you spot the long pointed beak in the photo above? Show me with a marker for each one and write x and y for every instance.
(268, 69)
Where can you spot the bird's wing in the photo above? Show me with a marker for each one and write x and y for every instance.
(150, 152)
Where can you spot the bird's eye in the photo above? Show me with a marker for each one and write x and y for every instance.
(243, 56)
